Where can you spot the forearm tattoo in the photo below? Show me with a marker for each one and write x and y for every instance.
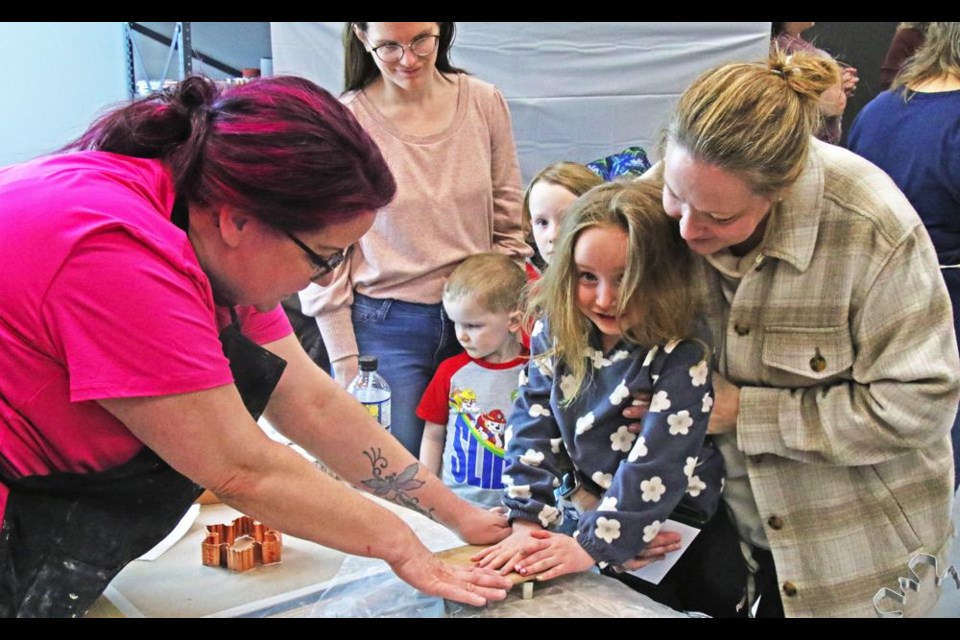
(394, 487)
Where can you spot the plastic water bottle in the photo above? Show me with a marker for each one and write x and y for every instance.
(372, 391)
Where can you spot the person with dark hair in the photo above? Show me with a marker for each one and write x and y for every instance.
(141, 337)
(913, 133)
(448, 139)
(836, 373)
(906, 40)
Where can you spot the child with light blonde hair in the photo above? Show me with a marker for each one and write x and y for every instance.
(465, 405)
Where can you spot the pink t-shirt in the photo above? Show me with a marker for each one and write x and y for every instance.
(101, 296)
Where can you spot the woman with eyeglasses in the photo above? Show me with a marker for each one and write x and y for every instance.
(141, 337)
(448, 139)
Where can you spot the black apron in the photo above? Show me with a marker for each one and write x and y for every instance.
(65, 536)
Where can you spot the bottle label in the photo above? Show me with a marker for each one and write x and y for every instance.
(380, 411)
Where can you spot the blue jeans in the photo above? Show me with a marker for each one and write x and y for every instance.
(410, 340)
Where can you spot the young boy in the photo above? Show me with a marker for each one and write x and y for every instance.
(466, 404)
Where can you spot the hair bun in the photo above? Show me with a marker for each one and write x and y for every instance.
(194, 93)
(806, 74)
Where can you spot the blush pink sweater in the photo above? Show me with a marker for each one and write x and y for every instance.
(458, 194)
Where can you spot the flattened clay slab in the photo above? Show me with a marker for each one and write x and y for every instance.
(460, 557)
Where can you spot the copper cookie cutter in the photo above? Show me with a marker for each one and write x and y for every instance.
(241, 545)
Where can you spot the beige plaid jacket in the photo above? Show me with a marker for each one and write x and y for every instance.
(841, 337)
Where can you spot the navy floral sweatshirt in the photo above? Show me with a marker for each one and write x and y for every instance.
(643, 476)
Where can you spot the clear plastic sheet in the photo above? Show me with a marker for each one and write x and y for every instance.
(380, 594)
(367, 588)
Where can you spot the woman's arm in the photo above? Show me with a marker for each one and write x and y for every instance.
(905, 376)
(312, 410)
(508, 237)
(209, 437)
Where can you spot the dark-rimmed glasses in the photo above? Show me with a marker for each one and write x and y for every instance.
(421, 46)
(323, 265)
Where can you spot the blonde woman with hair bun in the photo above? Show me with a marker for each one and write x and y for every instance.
(835, 360)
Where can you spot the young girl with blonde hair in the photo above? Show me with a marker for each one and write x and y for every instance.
(615, 315)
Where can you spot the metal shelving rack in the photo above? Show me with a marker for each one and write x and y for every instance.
(181, 43)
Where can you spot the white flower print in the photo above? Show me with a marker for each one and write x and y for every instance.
(651, 530)
(603, 564)
(608, 504)
(555, 444)
(707, 403)
(521, 492)
(619, 355)
(548, 515)
(620, 393)
(652, 489)
(537, 329)
(639, 449)
(658, 402)
(532, 458)
(695, 486)
(607, 529)
(655, 377)
(575, 533)
(596, 357)
(690, 466)
(622, 439)
(522, 379)
(680, 423)
(506, 480)
(670, 346)
(602, 479)
(556, 482)
(537, 410)
(568, 385)
(585, 423)
(698, 374)
(650, 355)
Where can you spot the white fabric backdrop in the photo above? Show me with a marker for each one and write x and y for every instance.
(577, 90)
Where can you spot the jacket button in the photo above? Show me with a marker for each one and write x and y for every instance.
(789, 589)
(817, 362)
(741, 330)
(775, 523)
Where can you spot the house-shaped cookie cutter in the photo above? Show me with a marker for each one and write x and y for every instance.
(241, 545)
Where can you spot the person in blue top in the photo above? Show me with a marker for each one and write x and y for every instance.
(615, 314)
(912, 132)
